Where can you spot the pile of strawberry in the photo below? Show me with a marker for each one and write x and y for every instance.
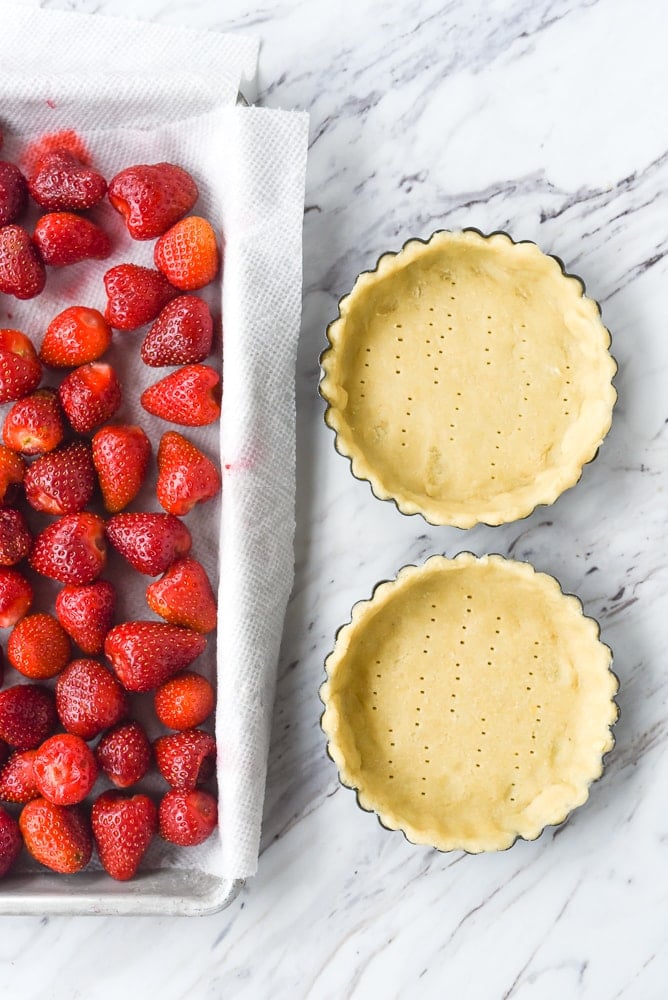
(59, 454)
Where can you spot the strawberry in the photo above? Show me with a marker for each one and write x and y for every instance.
(63, 238)
(184, 701)
(185, 475)
(152, 197)
(150, 542)
(11, 841)
(27, 715)
(38, 647)
(135, 295)
(76, 336)
(87, 613)
(187, 818)
(65, 769)
(5, 750)
(185, 759)
(15, 537)
(121, 455)
(72, 550)
(89, 699)
(60, 181)
(183, 596)
(188, 396)
(22, 271)
(17, 778)
(124, 754)
(123, 829)
(62, 481)
(56, 836)
(15, 597)
(90, 395)
(181, 334)
(13, 193)
(187, 254)
(34, 424)
(12, 472)
(20, 370)
(144, 653)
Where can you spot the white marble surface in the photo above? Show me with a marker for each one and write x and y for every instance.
(546, 118)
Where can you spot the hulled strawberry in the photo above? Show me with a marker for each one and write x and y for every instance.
(187, 818)
(86, 612)
(13, 193)
(65, 769)
(56, 836)
(27, 715)
(16, 596)
(121, 456)
(20, 370)
(150, 542)
(183, 596)
(185, 475)
(135, 295)
(187, 254)
(123, 828)
(124, 754)
(181, 335)
(189, 396)
(17, 778)
(184, 701)
(89, 699)
(72, 550)
(60, 181)
(90, 395)
(34, 425)
(64, 238)
(76, 336)
(12, 472)
(15, 537)
(185, 759)
(152, 197)
(38, 647)
(63, 481)
(145, 653)
(22, 271)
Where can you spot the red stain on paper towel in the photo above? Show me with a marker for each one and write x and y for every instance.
(243, 464)
(67, 139)
(50, 104)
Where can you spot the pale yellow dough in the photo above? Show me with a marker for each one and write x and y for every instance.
(468, 378)
(469, 703)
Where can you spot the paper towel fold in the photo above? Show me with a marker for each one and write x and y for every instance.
(249, 164)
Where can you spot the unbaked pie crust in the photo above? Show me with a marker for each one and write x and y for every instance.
(468, 378)
(469, 702)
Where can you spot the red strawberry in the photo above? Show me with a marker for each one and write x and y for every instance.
(124, 754)
(15, 537)
(187, 254)
(38, 647)
(17, 778)
(189, 396)
(152, 197)
(123, 829)
(187, 818)
(61, 181)
(185, 759)
(144, 653)
(34, 424)
(63, 238)
(63, 481)
(72, 550)
(65, 769)
(90, 395)
(150, 542)
(121, 455)
(181, 334)
(56, 836)
(185, 475)
(87, 613)
(89, 699)
(27, 715)
(12, 472)
(15, 597)
(76, 336)
(22, 271)
(13, 193)
(135, 295)
(184, 701)
(11, 841)
(183, 596)
(20, 370)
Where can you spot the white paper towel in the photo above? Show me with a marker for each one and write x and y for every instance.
(249, 164)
